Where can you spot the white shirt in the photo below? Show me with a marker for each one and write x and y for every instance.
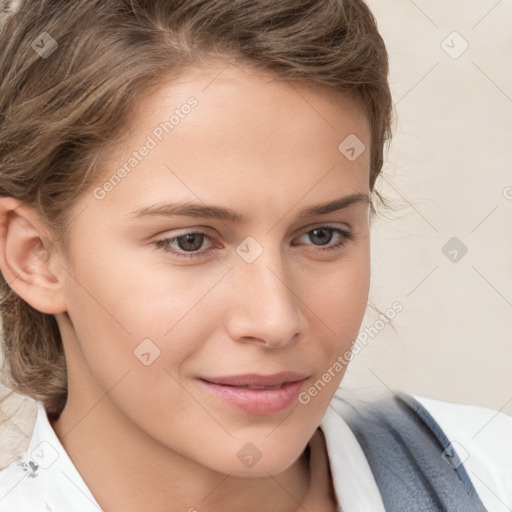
(44, 479)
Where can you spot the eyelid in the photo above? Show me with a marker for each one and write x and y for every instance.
(345, 231)
(333, 225)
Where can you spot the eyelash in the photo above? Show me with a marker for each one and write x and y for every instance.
(163, 244)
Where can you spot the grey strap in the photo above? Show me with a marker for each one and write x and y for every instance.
(412, 461)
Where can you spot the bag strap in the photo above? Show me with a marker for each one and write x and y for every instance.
(412, 460)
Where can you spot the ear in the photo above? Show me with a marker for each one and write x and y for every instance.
(25, 257)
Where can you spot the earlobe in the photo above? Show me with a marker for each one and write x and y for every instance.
(26, 257)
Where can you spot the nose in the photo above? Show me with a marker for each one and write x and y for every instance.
(264, 307)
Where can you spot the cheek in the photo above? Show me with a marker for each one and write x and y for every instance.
(128, 311)
(133, 331)
(353, 287)
(338, 296)
(338, 303)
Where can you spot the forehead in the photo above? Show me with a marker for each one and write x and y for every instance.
(240, 97)
(246, 128)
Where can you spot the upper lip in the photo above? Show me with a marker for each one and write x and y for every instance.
(254, 379)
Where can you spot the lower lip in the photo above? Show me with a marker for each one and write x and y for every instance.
(257, 401)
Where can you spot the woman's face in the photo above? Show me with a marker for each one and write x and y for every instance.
(233, 275)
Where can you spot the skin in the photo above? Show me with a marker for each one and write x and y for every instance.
(150, 437)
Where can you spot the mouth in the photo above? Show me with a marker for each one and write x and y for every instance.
(254, 387)
(256, 394)
(255, 380)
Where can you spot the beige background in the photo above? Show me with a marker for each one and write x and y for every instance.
(447, 173)
(448, 170)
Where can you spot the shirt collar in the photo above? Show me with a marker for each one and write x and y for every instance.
(354, 484)
(64, 488)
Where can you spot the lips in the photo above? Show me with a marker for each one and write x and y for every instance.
(257, 381)
(256, 394)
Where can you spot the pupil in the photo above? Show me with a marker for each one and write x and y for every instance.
(189, 242)
(322, 238)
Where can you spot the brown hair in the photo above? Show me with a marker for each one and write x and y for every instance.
(59, 112)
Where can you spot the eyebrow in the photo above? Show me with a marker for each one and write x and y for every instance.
(198, 210)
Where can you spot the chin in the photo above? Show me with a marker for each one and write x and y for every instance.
(250, 461)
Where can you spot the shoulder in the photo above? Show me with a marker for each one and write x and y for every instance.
(481, 437)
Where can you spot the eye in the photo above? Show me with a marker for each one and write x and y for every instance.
(188, 245)
(324, 234)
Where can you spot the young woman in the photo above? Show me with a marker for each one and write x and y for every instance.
(186, 192)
